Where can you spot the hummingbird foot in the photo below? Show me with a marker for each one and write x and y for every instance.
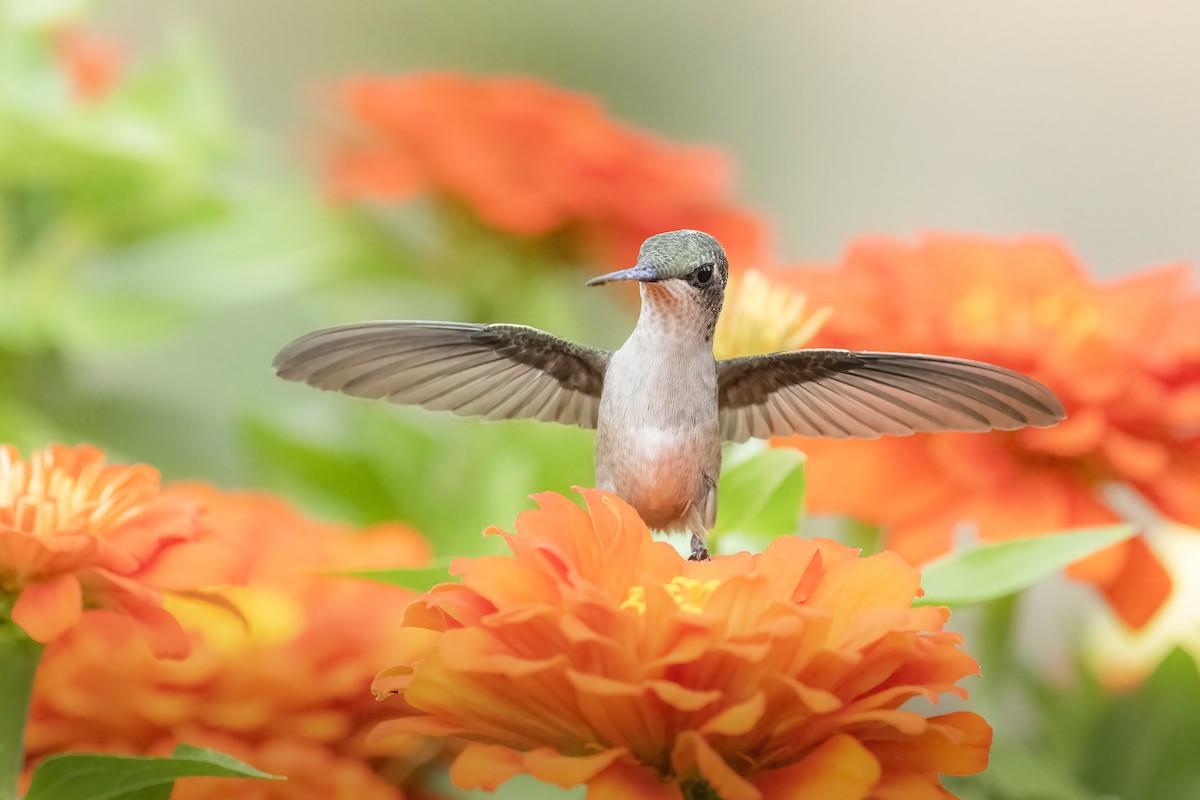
(699, 551)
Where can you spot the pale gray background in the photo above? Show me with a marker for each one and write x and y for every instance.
(1074, 118)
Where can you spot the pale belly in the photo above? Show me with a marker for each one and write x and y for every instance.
(663, 472)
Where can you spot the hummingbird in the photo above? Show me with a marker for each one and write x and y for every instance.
(662, 404)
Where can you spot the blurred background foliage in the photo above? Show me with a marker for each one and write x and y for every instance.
(157, 254)
(164, 229)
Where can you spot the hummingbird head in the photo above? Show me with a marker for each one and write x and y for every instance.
(687, 266)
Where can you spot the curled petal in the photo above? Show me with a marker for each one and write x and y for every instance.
(624, 780)
(952, 744)
(485, 766)
(693, 755)
(47, 609)
(566, 771)
(738, 719)
(839, 769)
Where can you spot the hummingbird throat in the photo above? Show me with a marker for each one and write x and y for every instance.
(673, 309)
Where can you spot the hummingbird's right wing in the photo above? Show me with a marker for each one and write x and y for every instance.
(491, 371)
(844, 394)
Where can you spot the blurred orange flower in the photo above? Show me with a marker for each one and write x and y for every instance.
(91, 64)
(1123, 356)
(596, 655)
(286, 688)
(76, 532)
(531, 160)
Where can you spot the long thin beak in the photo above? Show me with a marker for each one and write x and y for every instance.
(640, 272)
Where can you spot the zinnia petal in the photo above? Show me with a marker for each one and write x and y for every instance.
(45, 610)
(839, 769)
(1140, 586)
(623, 781)
(693, 755)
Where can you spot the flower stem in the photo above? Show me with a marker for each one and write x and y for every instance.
(18, 663)
(998, 627)
(866, 537)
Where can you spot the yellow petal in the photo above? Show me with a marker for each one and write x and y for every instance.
(548, 765)
(738, 719)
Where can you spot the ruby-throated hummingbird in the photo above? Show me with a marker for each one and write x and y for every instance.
(662, 404)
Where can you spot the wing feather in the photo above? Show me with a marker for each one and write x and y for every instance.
(843, 411)
(831, 421)
(794, 413)
(845, 394)
(493, 371)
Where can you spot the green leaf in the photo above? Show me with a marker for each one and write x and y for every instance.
(996, 570)
(1144, 743)
(1018, 771)
(419, 579)
(761, 498)
(95, 776)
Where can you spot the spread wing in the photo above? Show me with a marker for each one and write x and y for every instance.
(843, 394)
(491, 371)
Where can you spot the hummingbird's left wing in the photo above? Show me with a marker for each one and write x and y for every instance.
(844, 394)
(491, 371)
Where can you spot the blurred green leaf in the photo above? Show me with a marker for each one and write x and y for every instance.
(146, 155)
(419, 579)
(448, 477)
(519, 787)
(93, 776)
(761, 498)
(1146, 743)
(995, 570)
(1090, 742)
(339, 481)
(1018, 771)
(24, 425)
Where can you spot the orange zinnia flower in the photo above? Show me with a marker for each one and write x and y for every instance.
(596, 655)
(76, 532)
(286, 688)
(1123, 356)
(531, 160)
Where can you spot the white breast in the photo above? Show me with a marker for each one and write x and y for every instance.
(654, 443)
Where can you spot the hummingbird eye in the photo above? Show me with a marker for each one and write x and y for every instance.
(703, 274)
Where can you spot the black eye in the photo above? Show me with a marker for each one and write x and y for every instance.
(704, 274)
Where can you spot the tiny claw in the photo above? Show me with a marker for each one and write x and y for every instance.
(699, 551)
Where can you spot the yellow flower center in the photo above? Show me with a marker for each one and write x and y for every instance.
(270, 617)
(764, 317)
(688, 593)
(988, 314)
